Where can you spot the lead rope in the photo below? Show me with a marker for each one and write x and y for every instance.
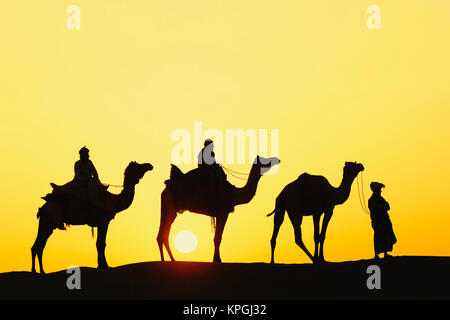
(362, 201)
(113, 185)
(234, 173)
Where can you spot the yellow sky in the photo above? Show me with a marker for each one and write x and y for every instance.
(138, 70)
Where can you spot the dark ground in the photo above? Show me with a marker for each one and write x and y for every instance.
(405, 277)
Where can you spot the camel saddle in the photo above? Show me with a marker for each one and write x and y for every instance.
(69, 188)
(206, 184)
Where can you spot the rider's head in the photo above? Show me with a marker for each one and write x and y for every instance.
(207, 142)
(84, 153)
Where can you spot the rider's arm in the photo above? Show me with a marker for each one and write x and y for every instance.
(77, 169)
(93, 171)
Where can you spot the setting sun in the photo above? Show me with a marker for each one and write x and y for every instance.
(185, 241)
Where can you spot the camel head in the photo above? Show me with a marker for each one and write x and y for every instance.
(352, 169)
(135, 171)
(264, 164)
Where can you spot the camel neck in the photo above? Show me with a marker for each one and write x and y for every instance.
(125, 197)
(247, 192)
(343, 191)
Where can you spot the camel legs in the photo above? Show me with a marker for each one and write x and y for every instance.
(220, 225)
(326, 219)
(168, 215)
(296, 220)
(277, 222)
(163, 236)
(45, 230)
(101, 244)
(316, 220)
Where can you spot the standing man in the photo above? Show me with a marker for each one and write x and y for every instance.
(384, 237)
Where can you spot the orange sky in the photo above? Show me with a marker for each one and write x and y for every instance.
(135, 72)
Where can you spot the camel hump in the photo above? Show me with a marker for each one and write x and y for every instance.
(303, 175)
(310, 182)
(310, 177)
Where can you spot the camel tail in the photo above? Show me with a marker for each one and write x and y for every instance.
(279, 204)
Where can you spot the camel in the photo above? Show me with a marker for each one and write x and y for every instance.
(68, 208)
(312, 195)
(188, 192)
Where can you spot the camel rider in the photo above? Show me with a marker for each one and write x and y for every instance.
(207, 160)
(87, 183)
(206, 156)
(215, 177)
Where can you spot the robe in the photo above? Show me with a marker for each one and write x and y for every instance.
(384, 237)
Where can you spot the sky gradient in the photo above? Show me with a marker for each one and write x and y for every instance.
(136, 71)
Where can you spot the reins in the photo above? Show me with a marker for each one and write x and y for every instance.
(362, 201)
(114, 185)
(234, 173)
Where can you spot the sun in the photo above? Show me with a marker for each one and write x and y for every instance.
(185, 241)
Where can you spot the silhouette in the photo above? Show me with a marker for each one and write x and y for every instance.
(70, 208)
(384, 237)
(190, 192)
(84, 168)
(212, 174)
(86, 184)
(206, 156)
(86, 179)
(312, 195)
